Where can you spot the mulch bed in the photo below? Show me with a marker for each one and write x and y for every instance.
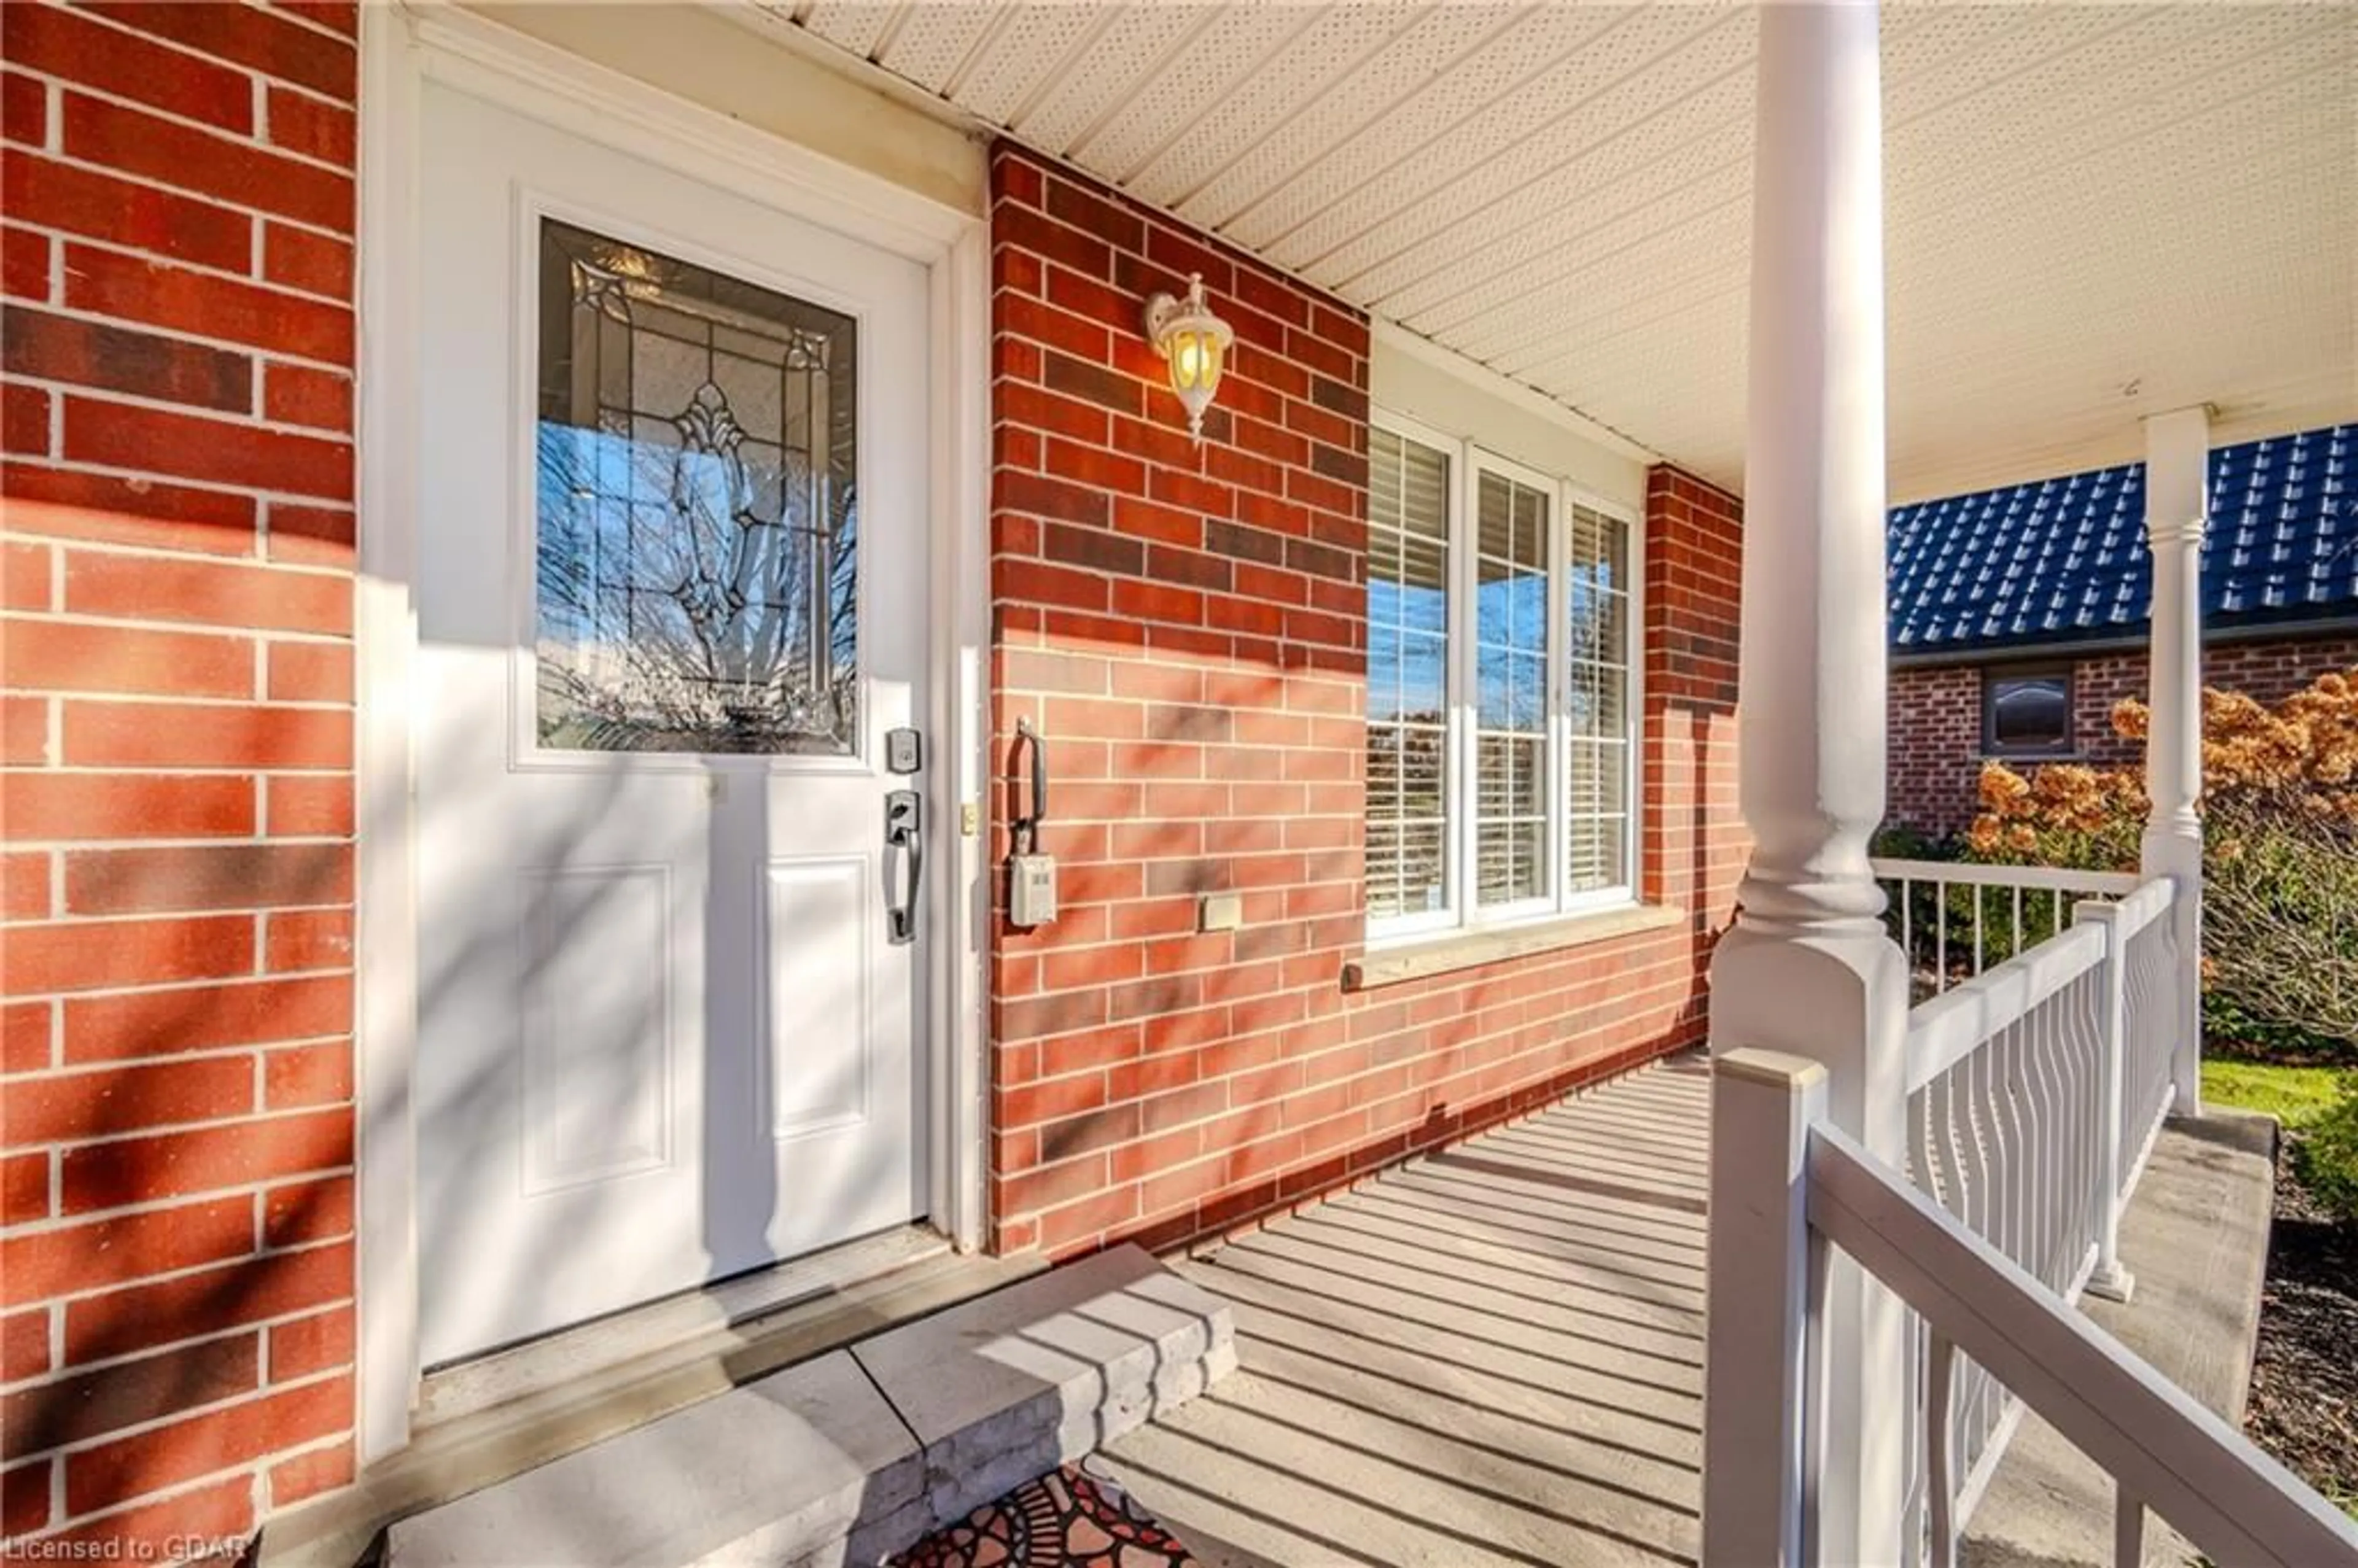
(2304, 1400)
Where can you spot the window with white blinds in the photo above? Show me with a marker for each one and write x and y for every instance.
(1598, 753)
(1511, 568)
(1408, 677)
(1501, 609)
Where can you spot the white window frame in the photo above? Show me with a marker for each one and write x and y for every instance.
(1468, 460)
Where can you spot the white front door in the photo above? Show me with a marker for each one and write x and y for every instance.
(671, 545)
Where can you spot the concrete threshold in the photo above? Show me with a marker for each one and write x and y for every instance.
(849, 1458)
(2195, 1237)
(453, 1453)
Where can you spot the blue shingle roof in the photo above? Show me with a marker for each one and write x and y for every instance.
(2065, 559)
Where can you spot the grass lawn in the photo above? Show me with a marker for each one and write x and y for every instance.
(2320, 1121)
(2303, 1387)
(2294, 1095)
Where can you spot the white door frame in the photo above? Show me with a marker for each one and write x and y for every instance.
(400, 50)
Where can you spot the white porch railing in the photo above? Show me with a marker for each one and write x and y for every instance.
(1789, 1188)
(2034, 1093)
(2035, 1089)
(1954, 918)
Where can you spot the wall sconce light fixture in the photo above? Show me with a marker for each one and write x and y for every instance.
(1195, 343)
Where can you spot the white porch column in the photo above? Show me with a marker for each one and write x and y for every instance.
(2176, 508)
(1807, 969)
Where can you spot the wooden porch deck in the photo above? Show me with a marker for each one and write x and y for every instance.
(1491, 1356)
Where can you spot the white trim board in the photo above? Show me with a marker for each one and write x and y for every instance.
(401, 50)
(1389, 334)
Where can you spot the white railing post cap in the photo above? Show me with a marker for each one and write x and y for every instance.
(1754, 1064)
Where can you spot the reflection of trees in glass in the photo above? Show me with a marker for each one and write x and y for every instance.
(686, 621)
(1513, 558)
(697, 579)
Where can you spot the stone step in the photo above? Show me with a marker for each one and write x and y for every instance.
(843, 1460)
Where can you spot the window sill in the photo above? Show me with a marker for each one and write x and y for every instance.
(1471, 949)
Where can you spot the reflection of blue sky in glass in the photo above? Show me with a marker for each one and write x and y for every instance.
(1510, 655)
(621, 515)
(1408, 650)
(1511, 650)
(579, 546)
(648, 553)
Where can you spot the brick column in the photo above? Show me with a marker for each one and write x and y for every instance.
(176, 1276)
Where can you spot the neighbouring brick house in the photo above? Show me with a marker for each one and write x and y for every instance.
(260, 1170)
(2018, 616)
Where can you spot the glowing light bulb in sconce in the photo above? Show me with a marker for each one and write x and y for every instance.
(1195, 343)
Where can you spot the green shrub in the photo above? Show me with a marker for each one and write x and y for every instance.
(2325, 1153)
(2228, 1027)
(1914, 920)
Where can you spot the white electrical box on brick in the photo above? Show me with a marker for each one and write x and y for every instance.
(1032, 889)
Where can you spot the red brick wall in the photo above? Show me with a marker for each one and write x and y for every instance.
(1186, 625)
(1936, 725)
(1934, 746)
(176, 1270)
(1695, 843)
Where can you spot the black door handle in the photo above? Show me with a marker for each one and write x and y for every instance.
(1027, 827)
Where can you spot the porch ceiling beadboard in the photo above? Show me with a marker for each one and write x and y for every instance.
(2095, 213)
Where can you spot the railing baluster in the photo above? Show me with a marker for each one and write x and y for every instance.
(1980, 945)
(1923, 1159)
(1908, 929)
(1941, 952)
(2043, 1209)
(2006, 1131)
(2083, 1122)
(1981, 1210)
(2128, 1529)
(1940, 1438)
(2055, 1141)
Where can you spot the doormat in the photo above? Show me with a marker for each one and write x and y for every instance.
(1067, 1518)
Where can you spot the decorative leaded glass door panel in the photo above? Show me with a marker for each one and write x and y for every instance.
(672, 502)
(698, 501)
